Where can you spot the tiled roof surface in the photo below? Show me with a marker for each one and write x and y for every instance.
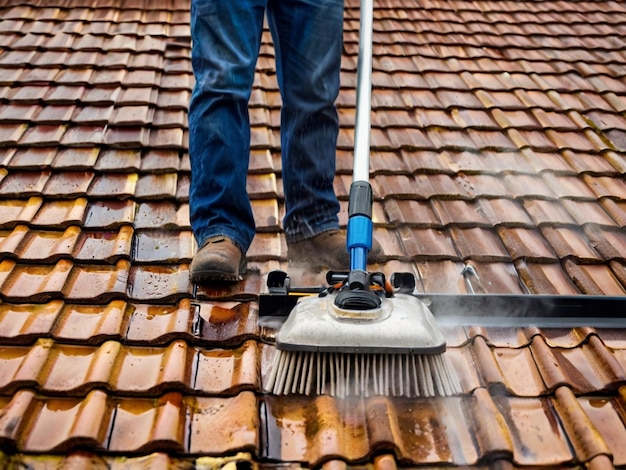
(498, 165)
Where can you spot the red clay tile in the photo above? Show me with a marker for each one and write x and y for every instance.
(168, 138)
(266, 246)
(161, 161)
(227, 322)
(151, 324)
(459, 213)
(156, 186)
(221, 426)
(24, 323)
(139, 370)
(55, 114)
(411, 212)
(90, 324)
(578, 425)
(596, 279)
(11, 134)
(14, 414)
(617, 210)
(611, 244)
(569, 187)
(103, 246)
(137, 96)
(113, 185)
(546, 443)
(541, 278)
(68, 184)
(526, 244)
(72, 369)
(14, 212)
(478, 244)
(101, 95)
(93, 115)
(570, 243)
(603, 416)
(22, 184)
(158, 214)
(83, 136)
(97, 282)
(126, 137)
(427, 243)
(227, 371)
(34, 283)
(130, 116)
(77, 422)
(109, 214)
(588, 212)
(118, 159)
(162, 246)
(145, 425)
(548, 213)
(159, 283)
(22, 365)
(48, 246)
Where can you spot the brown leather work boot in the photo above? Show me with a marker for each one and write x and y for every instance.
(327, 251)
(219, 259)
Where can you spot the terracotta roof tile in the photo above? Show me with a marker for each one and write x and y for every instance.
(108, 214)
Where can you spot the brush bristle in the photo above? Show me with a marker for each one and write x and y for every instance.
(343, 375)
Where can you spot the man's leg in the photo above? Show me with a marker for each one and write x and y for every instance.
(226, 39)
(308, 40)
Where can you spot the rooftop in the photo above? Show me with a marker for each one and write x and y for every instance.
(498, 165)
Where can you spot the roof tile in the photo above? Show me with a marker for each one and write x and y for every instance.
(88, 324)
(141, 425)
(108, 214)
(221, 426)
(159, 283)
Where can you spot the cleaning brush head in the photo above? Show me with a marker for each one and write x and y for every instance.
(395, 349)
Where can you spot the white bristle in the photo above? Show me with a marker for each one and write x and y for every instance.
(341, 375)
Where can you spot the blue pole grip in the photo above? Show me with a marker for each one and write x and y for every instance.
(359, 241)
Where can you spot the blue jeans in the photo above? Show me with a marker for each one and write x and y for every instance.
(226, 35)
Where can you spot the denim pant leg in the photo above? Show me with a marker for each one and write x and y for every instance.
(226, 37)
(308, 40)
